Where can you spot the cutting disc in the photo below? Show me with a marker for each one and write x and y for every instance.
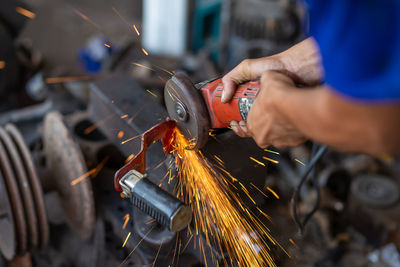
(186, 106)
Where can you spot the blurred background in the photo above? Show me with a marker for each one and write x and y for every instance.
(70, 70)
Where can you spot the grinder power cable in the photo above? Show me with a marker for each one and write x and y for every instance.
(198, 108)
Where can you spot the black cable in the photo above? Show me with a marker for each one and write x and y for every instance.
(316, 155)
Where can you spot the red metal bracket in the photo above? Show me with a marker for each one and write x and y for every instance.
(163, 131)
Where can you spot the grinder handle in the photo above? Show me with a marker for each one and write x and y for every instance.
(236, 110)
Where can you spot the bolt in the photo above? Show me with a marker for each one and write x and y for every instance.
(181, 112)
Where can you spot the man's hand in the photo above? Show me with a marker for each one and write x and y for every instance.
(302, 63)
(265, 123)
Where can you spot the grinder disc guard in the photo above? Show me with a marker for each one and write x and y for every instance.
(186, 106)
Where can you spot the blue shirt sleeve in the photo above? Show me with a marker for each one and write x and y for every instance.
(360, 46)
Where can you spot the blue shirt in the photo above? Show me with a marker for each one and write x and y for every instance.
(360, 46)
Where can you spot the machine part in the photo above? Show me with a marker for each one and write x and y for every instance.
(198, 108)
(145, 195)
(266, 19)
(34, 182)
(375, 190)
(66, 163)
(163, 131)
(30, 113)
(16, 202)
(7, 232)
(24, 189)
(24, 194)
(151, 199)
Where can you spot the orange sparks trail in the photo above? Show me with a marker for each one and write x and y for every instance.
(129, 158)
(145, 52)
(93, 172)
(126, 239)
(150, 92)
(83, 16)
(25, 12)
(298, 161)
(126, 220)
(271, 151)
(218, 213)
(2, 64)
(120, 134)
(273, 192)
(272, 160)
(257, 161)
(293, 243)
(107, 45)
(136, 30)
(66, 79)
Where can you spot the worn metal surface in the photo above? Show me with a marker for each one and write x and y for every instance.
(66, 163)
(24, 189)
(34, 183)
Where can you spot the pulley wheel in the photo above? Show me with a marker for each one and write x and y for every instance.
(15, 201)
(24, 188)
(7, 231)
(66, 163)
(33, 181)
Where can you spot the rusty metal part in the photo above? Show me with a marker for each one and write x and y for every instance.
(161, 131)
(186, 106)
(33, 181)
(7, 232)
(16, 202)
(24, 189)
(66, 163)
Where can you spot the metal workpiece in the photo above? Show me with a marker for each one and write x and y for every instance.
(156, 202)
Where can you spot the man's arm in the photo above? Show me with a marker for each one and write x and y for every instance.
(322, 115)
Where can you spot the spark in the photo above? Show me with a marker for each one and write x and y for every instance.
(126, 239)
(137, 245)
(143, 66)
(93, 127)
(126, 220)
(129, 158)
(67, 79)
(219, 160)
(93, 172)
(124, 116)
(273, 192)
(271, 151)
(150, 221)
(136, 30)
(293, 243)
(272, 160)
(130, 139)
(107, 45)
(158, 252)
(259, 190)
(120, 134)
(299, 162)
(83, 176)
(187, 243)
(145, 52)
(83, 16)
(150, 92)
(2, 64)
(218, 212)
(257, 161)
(25, 12)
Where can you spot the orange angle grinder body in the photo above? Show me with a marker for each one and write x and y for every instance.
(198, 108)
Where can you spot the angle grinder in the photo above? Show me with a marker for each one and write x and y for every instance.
(198, 108)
